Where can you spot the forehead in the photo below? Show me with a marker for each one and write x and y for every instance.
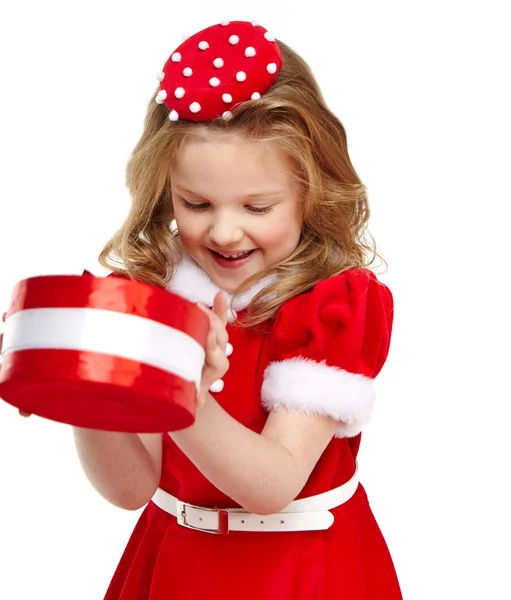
(226, 160)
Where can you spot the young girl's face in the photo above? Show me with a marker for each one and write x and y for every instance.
(237, 207)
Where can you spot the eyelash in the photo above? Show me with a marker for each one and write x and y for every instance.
(204, 206)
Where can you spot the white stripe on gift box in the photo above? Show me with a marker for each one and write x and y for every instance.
(96, 330)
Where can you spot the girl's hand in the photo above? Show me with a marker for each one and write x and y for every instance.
(216, 362)
(23, 414)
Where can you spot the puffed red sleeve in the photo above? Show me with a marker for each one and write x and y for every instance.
(326, 348)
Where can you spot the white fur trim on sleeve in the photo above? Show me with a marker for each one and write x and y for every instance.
(317, 388)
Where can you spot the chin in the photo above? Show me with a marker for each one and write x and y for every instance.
(227, 284)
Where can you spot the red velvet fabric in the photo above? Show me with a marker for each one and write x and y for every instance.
(349, 561)
(345, 321)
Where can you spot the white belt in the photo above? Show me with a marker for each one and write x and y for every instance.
(306, 514)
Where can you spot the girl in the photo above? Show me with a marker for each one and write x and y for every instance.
(245, 201)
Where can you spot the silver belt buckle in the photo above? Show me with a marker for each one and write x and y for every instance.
(223, 518)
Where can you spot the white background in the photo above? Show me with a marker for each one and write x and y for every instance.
(422, 89)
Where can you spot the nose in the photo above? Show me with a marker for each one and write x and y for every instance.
(225, 232)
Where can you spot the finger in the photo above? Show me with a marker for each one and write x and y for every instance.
(212, 342)
(220, 307)
(217, 325)
(216, 357)
(221, 335)
(222, 363)
(217, 365)
(219, 310)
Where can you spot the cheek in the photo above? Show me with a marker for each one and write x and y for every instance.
(189, 226)
(280, 232)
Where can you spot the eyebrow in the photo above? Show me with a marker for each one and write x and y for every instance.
(251, 196)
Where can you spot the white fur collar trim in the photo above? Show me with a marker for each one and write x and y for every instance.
(191, 282)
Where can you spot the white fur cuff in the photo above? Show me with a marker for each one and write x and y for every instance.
(316, 388)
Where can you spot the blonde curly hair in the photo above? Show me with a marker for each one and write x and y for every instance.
(336, 212)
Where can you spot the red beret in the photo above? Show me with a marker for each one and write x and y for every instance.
(217, 68)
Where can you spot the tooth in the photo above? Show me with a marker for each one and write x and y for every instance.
(235, 255)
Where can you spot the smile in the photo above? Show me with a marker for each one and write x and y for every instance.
(232, 260)
(234, 256)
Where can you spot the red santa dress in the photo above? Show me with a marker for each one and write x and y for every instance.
(320, 355)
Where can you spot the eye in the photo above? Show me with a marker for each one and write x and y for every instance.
(260, 209)
(192, 206)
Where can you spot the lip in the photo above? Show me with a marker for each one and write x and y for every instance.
(229, 264)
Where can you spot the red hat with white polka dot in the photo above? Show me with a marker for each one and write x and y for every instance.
(217, 68)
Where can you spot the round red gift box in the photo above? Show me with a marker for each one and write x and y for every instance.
(103, 352)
